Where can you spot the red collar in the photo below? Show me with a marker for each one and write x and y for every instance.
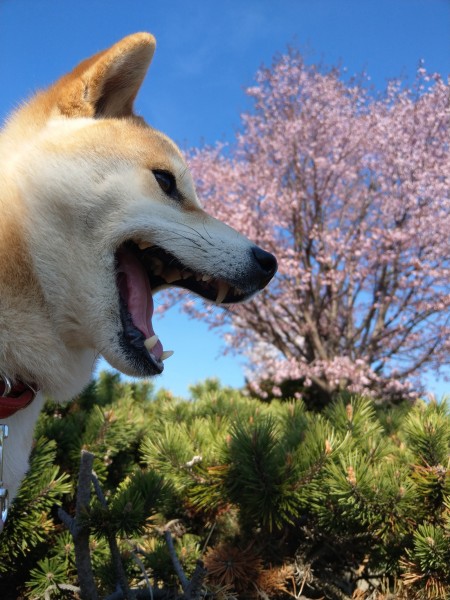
(14, 396)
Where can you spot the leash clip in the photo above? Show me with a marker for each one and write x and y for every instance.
(4, 500)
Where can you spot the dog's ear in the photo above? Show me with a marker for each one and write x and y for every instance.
(106, 84)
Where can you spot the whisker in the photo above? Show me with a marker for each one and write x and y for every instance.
(198, 233)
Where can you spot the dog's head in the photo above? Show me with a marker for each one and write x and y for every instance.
(112, 214)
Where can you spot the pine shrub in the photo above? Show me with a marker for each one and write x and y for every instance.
(278, 501)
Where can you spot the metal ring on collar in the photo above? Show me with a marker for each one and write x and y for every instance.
(8, 385)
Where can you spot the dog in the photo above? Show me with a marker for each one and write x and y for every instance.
(98, 213)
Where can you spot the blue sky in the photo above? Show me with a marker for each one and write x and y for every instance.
(208, 52)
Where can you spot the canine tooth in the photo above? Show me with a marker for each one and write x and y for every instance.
(206, 277)
(166, 354)
(186, 274)
(222, 291)
(151, 342)
(172, 274)
(144, 245)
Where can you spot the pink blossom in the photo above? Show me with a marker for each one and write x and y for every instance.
(351, 193)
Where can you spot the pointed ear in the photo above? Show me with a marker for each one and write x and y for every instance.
(106, 84)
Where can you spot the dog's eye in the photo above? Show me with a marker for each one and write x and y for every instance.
(166, 182)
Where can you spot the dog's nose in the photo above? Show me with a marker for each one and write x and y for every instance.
(266, 261)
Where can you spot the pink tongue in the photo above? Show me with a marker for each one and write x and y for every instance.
(137, 293)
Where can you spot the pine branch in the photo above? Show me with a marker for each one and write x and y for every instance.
(140, 564)
(113, 547)
(194, 587)
(141, 595)
(60, 587)
(80, 532)
(173, 555)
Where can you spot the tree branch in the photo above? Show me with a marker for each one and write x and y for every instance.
(80, 531)
(175, 561)
(113, 547)
(194, 588)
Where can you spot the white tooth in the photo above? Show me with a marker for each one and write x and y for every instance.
(222, 291)
(172, 274)
(206, 278)
(166, 354)
(186, 274)
(151, 342)
(144, 245)
(238, 291)
(198, 277)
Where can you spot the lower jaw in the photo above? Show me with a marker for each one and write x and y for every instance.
(132, 361)
(141, 363)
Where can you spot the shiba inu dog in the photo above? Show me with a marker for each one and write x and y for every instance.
(98, 212)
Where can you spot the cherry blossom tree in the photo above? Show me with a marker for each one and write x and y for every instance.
(350, 190)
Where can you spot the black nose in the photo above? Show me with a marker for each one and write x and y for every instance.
(266, 261)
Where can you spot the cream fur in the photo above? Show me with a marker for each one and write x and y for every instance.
(76, 181)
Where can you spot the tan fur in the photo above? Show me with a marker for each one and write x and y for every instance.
(76, 182)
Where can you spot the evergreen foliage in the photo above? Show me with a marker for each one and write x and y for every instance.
(278, 501)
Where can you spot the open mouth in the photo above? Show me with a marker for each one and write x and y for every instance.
(141, 271)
